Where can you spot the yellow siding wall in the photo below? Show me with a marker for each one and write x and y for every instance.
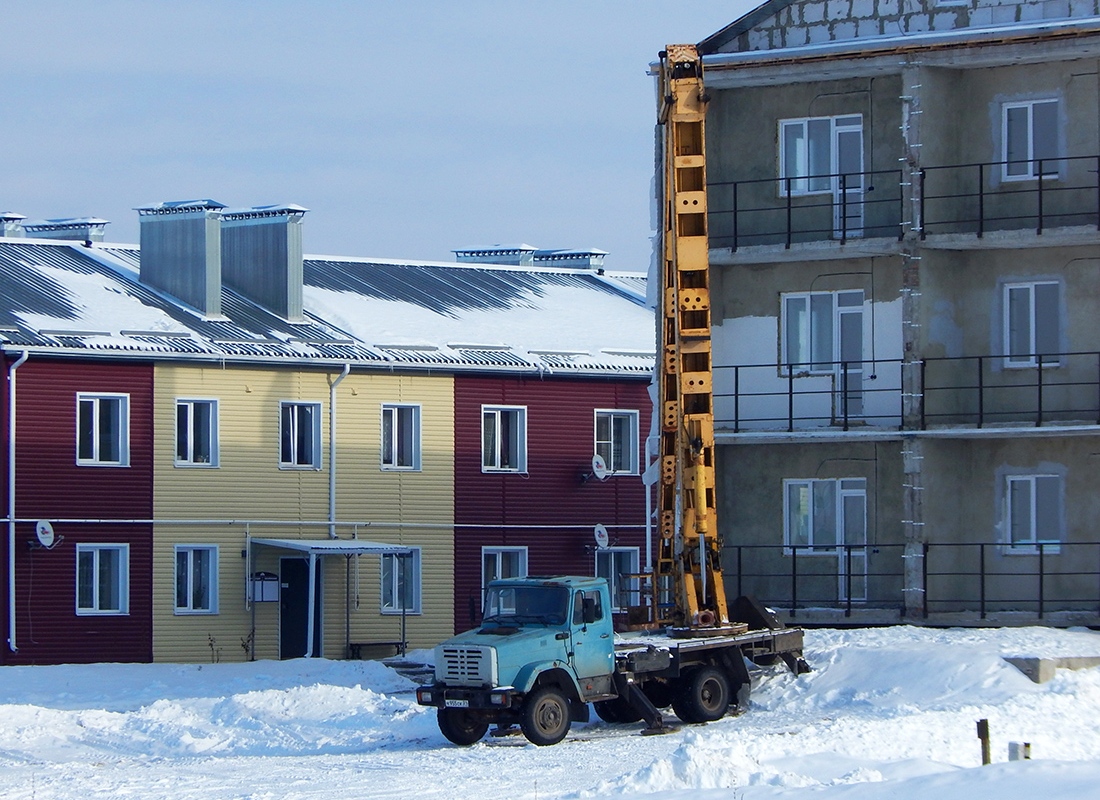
(249, 485)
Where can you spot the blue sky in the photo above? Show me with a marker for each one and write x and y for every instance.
(409, 129)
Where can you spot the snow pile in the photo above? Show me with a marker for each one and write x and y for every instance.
(887, 712)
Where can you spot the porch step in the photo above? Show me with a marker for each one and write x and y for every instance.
(415, 671)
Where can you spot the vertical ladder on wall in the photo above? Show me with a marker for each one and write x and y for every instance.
(690, 591)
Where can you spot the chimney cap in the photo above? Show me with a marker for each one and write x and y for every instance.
(257, 212)
(11, 216)
(179, 207)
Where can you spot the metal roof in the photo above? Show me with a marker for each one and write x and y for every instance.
(71, 299)
(332, 547)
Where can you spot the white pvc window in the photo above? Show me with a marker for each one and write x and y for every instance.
(821, 330)
(1032, 323)
(300, 435)
(1029, 133)
(503, 439)
(400, 437)
(814, 151)
(820, 515)
(102, 579)
(617, 440)
(196, 579)
(502, 562)
(196, 433)
(103, 430)
(401, 582)
(619, 565)
(1033, 512)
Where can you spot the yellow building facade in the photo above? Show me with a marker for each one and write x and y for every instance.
(244, 452)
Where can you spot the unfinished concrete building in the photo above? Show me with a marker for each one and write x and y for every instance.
(904, 204)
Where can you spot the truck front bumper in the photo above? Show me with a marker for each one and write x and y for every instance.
(440, 695)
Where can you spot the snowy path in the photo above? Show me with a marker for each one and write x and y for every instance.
(887, 712)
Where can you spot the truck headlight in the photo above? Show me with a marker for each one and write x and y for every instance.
(424, 697)
(498, 698)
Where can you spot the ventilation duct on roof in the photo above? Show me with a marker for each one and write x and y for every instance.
(80, 229)
(512, 255)
(577, 259)
(262, 256)
(10, 223)
(181, 252)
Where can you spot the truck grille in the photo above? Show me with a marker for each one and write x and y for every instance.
(465, 666)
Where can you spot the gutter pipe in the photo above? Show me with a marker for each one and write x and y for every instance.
(11, 498)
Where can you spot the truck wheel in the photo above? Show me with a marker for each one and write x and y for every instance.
(545, 716)
(460, 726)
(704, 696)
(616, 710)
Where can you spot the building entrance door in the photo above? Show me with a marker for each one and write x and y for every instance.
(294, 608)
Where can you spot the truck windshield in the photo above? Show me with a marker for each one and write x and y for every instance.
(544, 605)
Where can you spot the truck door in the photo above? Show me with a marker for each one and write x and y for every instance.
(593, 647)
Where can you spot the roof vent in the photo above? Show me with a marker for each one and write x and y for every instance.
(262, 256)
(577, 259)
(10, 223)
(80, 229)
(181, 251)
(512, 255)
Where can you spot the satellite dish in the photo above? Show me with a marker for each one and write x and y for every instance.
(599, 467)
(601, 536)
(44, 531)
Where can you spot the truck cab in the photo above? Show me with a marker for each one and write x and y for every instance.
(544, 649)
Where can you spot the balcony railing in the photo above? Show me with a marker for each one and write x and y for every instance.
(974, 198)
(980, 578)
(977, 198)
(977, 391)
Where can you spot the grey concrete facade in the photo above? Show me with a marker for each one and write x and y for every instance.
(907, 360)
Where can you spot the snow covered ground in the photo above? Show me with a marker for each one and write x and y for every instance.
(886, 713)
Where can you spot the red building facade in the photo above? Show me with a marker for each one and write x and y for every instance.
(84, 436)
(536, 516)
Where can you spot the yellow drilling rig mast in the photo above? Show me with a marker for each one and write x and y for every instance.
(690, 591)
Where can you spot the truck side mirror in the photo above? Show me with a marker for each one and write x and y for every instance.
(589, 610)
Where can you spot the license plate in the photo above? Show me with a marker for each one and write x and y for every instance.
(456, 703)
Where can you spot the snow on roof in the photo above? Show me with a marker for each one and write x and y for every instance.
(62, 297)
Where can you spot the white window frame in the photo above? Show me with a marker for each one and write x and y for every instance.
(315, 436)
(92, 401)
(607, 447)
(818, 363)
(491, 451)
(1034, 321)
(123, 580)
(1028, 163)
(188, 404)
(391, 440)
(805, 181)
(188, 551)
(521, 552)
(832, 544)
(1030, 483)
(389, 580)
(606, 558)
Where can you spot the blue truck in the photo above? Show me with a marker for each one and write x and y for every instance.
(546, 649)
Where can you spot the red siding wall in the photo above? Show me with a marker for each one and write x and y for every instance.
(49, 485)
(560, 445)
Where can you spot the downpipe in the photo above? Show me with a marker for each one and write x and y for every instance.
(332, 452)
(11, 497)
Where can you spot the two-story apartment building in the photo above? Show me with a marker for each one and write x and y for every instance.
(903, 218)
(218, 448)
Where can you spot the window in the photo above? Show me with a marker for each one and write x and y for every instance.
(503, 439)
(1029, 132)
(1032, 323)
(618, 565)
(196, 433)
(300, 435)
(196, 579)
(401, 437)
(578, 606)
(819, 515)
(102, 579)
(815, 149)
(1033, 512)
(617, 440)
(401, 582)
(103, 429)
(502, 562)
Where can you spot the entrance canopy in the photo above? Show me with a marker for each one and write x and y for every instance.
(333, 547)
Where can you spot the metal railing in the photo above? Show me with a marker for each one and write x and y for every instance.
(979, 578)
(976, 198)
(775, 210)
